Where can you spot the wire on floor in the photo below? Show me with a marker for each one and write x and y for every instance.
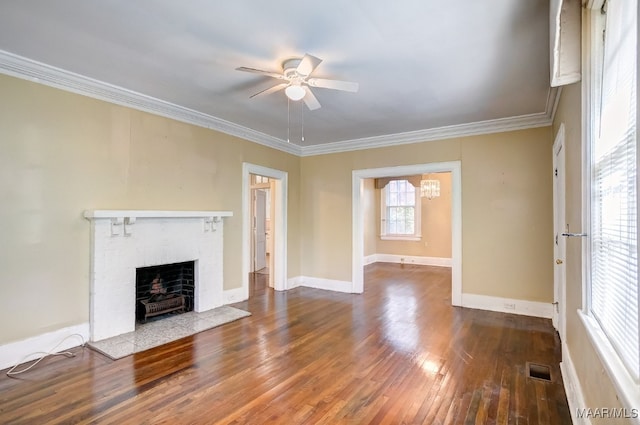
(43, 355)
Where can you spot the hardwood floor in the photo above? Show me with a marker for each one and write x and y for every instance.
(399, 353)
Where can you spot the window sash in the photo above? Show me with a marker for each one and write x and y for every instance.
(400, 212)
(613, 285)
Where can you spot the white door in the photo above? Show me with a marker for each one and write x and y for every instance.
(260, 231)
(559, 226)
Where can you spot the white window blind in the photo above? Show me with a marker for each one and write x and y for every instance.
(614, 245)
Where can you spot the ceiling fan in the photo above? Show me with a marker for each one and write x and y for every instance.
(297, 82)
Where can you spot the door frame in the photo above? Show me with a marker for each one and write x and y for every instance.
(278, 259)
(559, 221)
(455, 168)
(255, 193)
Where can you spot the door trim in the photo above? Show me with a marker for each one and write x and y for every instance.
(455, 168)
(559, 249)
(279, 227)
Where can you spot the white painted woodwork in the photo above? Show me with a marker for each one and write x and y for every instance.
(122, 241)
(559, 226)
(259, 230)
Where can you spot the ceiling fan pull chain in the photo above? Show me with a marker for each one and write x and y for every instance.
(288, 121)
(302, 138)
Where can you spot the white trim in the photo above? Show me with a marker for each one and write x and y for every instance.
(508, 305)
(357, 241)
(154, 214)
(320, 283)
(417, 214)
(523, 122)
(560, 246)
(280, 222)
(60, 340)
(294, 282)
(370, 259)
(627, 390)
(412, 238)
(440, 133)
(230, 296)
(572, 388)
(590, 78)
(27, 69)
(409, 259)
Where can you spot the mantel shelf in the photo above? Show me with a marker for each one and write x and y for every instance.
(94, 214)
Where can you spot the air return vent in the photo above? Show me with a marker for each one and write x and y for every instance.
(539, 371)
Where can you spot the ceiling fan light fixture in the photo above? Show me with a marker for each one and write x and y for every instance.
(295, 92)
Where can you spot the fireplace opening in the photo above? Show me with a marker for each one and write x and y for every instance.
(164, 290)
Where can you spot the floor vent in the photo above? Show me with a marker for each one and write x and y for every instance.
(539, 371)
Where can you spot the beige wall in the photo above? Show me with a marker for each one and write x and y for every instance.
(596, 385)
(62, 153)
(507, 221)
(435, 225)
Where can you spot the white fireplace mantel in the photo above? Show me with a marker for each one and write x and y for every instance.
(154, 214)
(123, 240)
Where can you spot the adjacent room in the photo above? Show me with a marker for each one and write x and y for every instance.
(339, 212)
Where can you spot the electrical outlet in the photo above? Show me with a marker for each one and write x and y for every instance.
(509, 306)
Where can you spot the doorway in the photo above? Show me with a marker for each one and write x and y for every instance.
(260, 223)
(264, 212)
(358, 177)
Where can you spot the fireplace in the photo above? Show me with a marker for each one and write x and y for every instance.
(123, 242)
(164, 290)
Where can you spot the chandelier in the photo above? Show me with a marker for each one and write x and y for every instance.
(430, 188)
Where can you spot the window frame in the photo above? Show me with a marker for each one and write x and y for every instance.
(417, 218)
(627, 387)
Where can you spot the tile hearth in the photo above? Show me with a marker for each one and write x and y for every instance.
(153, 334)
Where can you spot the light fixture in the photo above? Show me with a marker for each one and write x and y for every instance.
(430, 188)
(295, 92)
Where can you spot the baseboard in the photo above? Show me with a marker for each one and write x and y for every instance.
(230, 296)
(294, 282)
(409, 259)
(508, 305)
(572, 388)
(320, 283)
(33, 348)
(369, 259)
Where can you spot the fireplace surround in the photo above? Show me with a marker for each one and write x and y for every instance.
(124, 240)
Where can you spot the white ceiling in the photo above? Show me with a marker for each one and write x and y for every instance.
(421, 64)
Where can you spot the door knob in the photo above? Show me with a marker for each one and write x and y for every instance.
(559, 261)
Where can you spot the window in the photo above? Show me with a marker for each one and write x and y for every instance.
(612, 271)
(400, 215)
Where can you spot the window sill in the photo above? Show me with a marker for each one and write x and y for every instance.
(627, 389)
(400, 237)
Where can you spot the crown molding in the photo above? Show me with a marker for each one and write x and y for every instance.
(27, 69)
(20, 67)
(522, 122)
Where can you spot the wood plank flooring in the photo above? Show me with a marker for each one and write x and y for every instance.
(397, 354)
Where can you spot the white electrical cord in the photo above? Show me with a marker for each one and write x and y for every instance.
(12, 372)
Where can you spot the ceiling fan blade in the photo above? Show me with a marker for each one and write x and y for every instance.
(334, 84)
(261, 72)
(270, 89)
(308, 64)
(310, 100)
